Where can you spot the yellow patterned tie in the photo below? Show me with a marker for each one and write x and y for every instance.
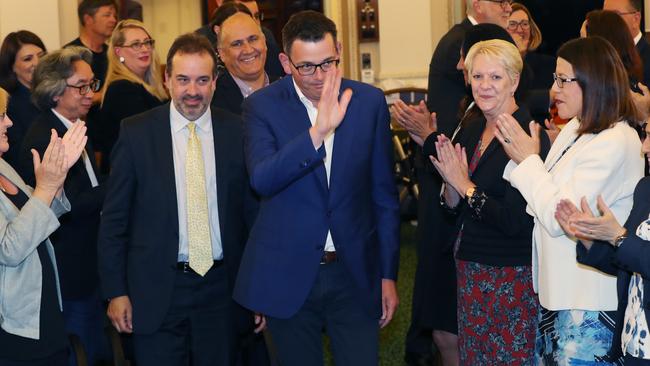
(198, 224)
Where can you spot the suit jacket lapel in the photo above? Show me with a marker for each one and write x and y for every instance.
(343, 140)
(564, 139)
(162, 140)
(221, 168)
(299, 123)
(641, 45)
(231, 91)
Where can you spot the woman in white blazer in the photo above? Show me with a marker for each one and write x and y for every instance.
(31, 322)
(598, 152)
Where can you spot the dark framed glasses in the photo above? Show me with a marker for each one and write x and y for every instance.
(310, 69)
(93, 86)
(560, 81)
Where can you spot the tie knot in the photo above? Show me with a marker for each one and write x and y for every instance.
(192, 127)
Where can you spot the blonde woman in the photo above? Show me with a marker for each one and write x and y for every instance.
(133, 82)
(497, 307)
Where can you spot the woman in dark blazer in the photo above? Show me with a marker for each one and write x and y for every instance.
(497, 308)
(133, 83)
(19, 56)
(623, 251)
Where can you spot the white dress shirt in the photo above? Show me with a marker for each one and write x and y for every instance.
(246, 89)
(312, 111)
(180, 135)
(89, 167)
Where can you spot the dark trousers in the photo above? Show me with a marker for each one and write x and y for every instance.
(85, 318)
(632, 361)
(198, 326)
(332, 305)
(59, 359)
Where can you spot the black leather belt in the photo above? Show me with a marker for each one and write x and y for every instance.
(185, 266)
(328, 257)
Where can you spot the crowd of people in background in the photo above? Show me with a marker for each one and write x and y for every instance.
(591, 104)
(230, 204)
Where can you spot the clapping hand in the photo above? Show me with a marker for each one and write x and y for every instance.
(451, 164)
(49, 172)
(515, 141)
(416, 120)
(564, 211)
(74, 142)
(604, 227)
(584, 225)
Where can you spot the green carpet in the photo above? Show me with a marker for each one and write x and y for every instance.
(391, 338)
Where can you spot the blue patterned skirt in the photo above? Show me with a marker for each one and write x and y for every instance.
(575, 337)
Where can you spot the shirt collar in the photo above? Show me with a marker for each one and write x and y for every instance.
(472, 20)
(638, 38)
(246, 89)
(302, 96)
(66, 122)
(178, 122)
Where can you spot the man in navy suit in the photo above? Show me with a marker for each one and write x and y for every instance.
(630, 11)
(175, 301)
(324, 250)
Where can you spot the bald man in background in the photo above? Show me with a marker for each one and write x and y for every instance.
(272, 66)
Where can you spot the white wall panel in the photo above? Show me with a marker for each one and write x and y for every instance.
(38, 16)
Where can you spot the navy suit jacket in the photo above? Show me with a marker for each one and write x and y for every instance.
(632, 256)
(138, 237)
(446, 84)
(75, 241)
(644, 51)
(360, 207)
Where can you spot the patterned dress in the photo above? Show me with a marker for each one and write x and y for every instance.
(497, 306)
(497, 314)
(575, 337)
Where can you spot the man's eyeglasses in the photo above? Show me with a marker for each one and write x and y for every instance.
(84, 89)
(504, 3)
(513, 25)
(310, 69)
(137, 46)
(560, 81)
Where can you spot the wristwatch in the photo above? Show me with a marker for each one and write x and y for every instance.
(470, 192)
(619, 239)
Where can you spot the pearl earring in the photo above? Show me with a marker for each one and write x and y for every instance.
(122, 59)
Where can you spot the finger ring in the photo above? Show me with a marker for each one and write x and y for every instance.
(506, 140)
